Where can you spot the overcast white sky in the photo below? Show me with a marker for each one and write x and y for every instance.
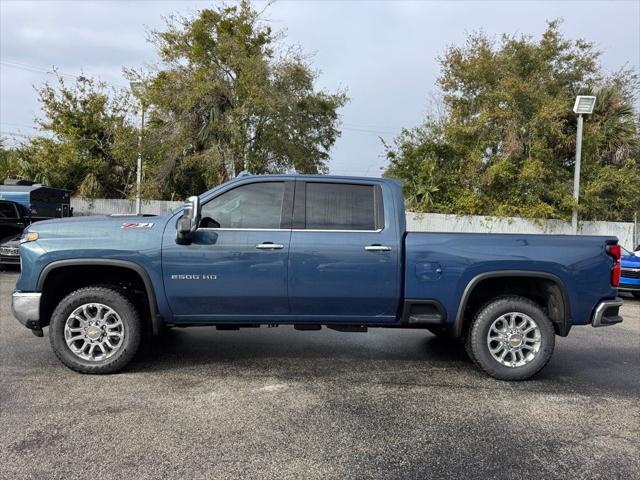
(383, 52)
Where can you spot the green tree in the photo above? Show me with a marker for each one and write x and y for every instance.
(505, 142)
(90, 146)
(9, 166)
(229, 96)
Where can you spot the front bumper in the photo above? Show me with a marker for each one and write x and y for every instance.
(25, 306)
(607, 313)
(9, 254)
(9, 260)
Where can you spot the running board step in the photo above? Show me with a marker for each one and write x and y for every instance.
(236, 327)
(348, 328)
(422, 313)
(425, 319)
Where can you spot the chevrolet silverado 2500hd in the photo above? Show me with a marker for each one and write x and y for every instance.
(310, 251)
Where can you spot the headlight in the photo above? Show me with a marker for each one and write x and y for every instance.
(29, 237)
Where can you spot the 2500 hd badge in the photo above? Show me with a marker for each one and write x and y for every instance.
(194, 277)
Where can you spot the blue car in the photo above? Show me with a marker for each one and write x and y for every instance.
(630, 273)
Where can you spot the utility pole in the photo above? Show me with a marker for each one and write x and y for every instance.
(584, 105)
(576, 177)
(139, 166)
(137, 89)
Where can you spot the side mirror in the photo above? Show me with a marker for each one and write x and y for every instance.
(189, 221)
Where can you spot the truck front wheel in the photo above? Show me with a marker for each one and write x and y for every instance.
(95, 330)
(511, 338)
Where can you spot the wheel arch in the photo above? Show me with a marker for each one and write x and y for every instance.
(562, 325)
(57, 266)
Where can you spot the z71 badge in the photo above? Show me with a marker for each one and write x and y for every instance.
(137, 225)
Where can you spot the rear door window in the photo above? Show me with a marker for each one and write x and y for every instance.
(342, 206)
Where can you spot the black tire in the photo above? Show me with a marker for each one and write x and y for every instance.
(478, 349)
(111, 298)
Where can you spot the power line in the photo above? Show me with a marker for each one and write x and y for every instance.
(363, 130)
(16, 134)
(353, 127)
(18, 125)
(368, 125)
(35, 68)
(368, 128)
(342, 169)
(40, 69)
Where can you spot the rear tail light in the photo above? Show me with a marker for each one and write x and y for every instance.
(615, 252)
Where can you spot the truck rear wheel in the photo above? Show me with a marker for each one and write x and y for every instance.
(95, 330)
(511, 338)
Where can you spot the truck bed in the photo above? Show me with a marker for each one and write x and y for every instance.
(440, 267)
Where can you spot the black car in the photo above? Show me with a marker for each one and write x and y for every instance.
(13, 219)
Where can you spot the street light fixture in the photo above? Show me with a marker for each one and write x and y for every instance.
(583, 106)
(136, 88)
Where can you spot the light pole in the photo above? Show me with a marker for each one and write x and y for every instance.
(583, 106)
(136, 88)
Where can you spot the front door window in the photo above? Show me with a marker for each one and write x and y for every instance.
(253, 206)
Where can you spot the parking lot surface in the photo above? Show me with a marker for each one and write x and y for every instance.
(277, 403)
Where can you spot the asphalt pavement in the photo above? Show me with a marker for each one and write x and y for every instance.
(275, 403)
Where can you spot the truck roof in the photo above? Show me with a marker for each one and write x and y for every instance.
(309, 176)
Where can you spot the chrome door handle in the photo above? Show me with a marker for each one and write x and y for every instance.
(269, 246)
(377, 248)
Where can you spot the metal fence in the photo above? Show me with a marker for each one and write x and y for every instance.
(109, 206)
(436, 222)
(417, 222)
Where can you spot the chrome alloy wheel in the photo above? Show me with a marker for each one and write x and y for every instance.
(514, 339)
(94, 332)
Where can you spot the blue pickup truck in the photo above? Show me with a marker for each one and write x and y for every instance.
(310, 251)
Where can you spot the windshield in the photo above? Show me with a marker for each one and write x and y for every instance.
(626, 253)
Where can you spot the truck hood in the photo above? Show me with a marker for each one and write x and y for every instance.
(97, 218)
(100, 221)
(102, 232)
